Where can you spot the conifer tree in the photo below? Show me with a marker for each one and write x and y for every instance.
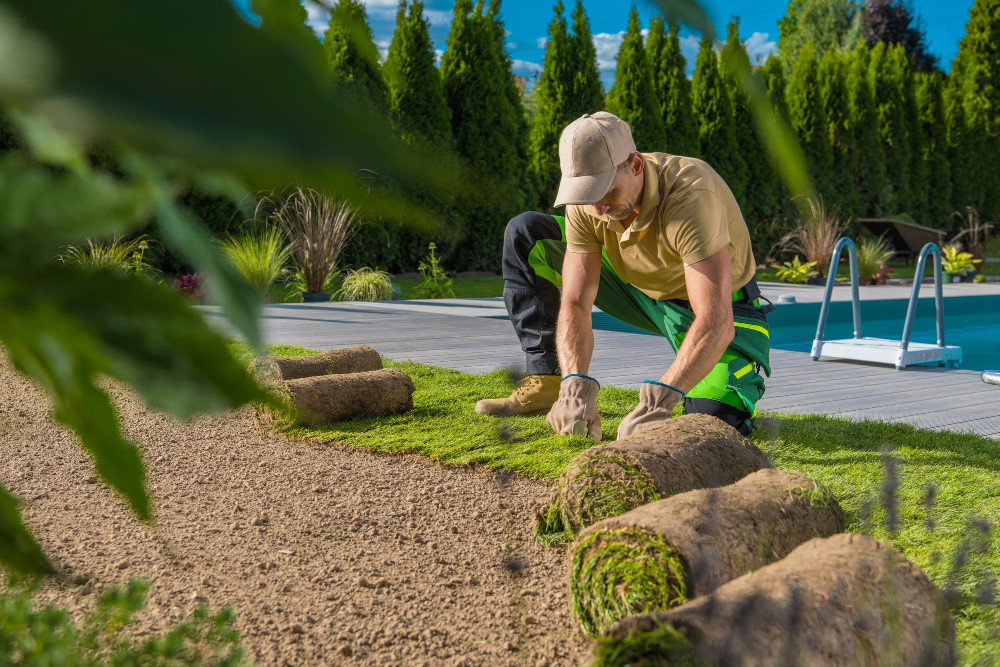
(808, 119)
(844, 159)
(632, 97)
(353, 56)
(773, 72)
(417, 104)
(756, 179)
(890, 123)
(930, 105)
(672, 88)
(287, 18)
(977, 70)
(903, 71)
(960, 152)
(586, 91)
(828, 24)
(553, 90)
(489, 131)
(869, 177)
(714, 113)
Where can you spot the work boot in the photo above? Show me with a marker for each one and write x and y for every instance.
(535, 394)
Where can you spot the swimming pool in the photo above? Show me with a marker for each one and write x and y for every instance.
(973, 322)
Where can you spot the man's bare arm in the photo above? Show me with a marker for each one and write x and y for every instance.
(708, 286)
(581, 274)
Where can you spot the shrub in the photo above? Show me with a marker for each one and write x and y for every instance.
(258, 258)
(116, 254)
(48, 635)
(191, 284)
(955, 261)
(317, 226)
(816, 236)
(872, 256)
(795, 271)
(366, 284)
(435, 284)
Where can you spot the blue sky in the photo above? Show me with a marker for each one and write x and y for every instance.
(527, 25)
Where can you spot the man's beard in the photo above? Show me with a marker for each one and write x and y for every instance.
(621, 212)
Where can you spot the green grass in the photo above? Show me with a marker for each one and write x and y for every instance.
(464, 288)
(843, 455)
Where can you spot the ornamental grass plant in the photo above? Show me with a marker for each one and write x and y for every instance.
(872, 256)
(117, 254)
(815, 236)
(259, 258)
(366, 284)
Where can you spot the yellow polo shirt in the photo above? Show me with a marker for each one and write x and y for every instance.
(687, 213)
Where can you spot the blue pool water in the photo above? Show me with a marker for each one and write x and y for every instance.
(972, 322)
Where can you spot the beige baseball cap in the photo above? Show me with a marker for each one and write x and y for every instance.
(590, 149)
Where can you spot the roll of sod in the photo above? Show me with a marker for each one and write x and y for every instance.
(354, 359)
(689, 452)
(331, 398)
(670, 551)
(841, 600)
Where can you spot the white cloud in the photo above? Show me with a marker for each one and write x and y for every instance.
(383, 49)
(317, 18)
(759, 48)
(689, 49)
(607, 45)
(437, 55)
(525, 67)
(542, 42)
(511, 45)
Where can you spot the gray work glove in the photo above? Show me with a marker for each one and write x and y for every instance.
(575, 412)
(656, 402)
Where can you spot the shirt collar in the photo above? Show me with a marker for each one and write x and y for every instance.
(649, 205)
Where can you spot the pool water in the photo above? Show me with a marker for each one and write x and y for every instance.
(972, 322)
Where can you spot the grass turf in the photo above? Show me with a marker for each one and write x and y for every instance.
(952, 537)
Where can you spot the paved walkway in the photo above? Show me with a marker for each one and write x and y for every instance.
(469, 335)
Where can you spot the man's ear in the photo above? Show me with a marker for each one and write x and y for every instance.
(635, 163)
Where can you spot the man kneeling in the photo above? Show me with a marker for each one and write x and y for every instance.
(656, 241)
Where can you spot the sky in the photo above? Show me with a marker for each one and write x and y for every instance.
(527, 25)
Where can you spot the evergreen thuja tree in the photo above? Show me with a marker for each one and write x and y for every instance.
(287, 18)
(586, 91)
(808, 119)
(353, 56)
(903, 72)
(869, 177)
(960, 150)
(672, 88)
(714, 113)
(632, 97)
(844, 158)
(553, 113)
(930, 110)
(773, 73)
(890, 124)
(756, 180)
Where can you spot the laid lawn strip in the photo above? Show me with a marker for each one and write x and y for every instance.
(962, 469)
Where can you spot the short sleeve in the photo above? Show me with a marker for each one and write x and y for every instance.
(580, 234)
(697, 227)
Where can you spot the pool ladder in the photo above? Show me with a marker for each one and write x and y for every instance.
(901, 353)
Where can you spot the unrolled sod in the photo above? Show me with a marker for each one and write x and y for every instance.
(670, 551)
(843, 600)
(354, 359)
(330, 398)
(689, 452)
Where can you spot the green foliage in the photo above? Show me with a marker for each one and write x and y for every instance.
(553, 113)
(489, 129)
(796, 271)
(714, 112)
(365, 284)
(587, 93)
(828, 24)
(116, 255)
(353, 57)
(872, 255)
(918, 184)
(632, 97)
(672, 88)
(435, 284)
(47, 635)
(869, 179)
(845, 159)
(934, 151)
(888, 89)
(760, 187)
(954, 260)
(259, 258)
(808, 118)
(286, 19)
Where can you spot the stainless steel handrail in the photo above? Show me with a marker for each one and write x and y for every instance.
(852, 253)
(911, 309)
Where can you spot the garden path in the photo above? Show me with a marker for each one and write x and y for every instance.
(473, 335)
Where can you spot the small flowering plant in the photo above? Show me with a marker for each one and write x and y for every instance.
(191, 284)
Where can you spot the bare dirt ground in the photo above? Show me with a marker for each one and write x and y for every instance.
(329, 555)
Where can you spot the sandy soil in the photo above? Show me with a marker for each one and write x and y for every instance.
(329, 555)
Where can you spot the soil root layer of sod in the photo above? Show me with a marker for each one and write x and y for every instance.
(670, 551)
(842, 600)
(354, 359)
(330, 398)
(688, 452)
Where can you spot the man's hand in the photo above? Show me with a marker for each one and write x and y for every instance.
(656, 401)
(575, 413)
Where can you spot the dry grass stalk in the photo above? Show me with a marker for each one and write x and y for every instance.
(976, 231)
(816, 236)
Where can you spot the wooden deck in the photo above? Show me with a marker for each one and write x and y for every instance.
(468, 335)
